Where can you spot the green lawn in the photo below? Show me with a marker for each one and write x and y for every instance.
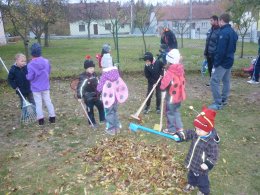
(51, 159)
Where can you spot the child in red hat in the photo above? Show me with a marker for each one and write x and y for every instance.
(203, 152)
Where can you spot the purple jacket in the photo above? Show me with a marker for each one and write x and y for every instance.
(39, 70)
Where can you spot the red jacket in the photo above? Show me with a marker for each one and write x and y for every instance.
(174, 82)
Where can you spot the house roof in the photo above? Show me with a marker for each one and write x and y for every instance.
(102, 10)
(182, 11)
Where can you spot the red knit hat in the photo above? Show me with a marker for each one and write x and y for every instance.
(205, 120)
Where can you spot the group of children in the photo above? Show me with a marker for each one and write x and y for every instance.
(105, 93)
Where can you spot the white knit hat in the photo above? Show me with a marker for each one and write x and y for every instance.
(106, 61)
(173, 56)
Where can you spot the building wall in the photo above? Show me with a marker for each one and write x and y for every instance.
(2, 32)
(74, 28)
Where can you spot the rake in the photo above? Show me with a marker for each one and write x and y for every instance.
(28, 114)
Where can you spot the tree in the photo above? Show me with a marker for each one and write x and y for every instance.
(242, 18)
(181, 28)
(143, 18)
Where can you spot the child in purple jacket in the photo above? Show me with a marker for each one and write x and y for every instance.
(39, 70)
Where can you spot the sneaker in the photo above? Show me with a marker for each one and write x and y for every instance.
(208, 84)
(188, 188)
(158, 111)
(41, 121)
(167, 131)
(200, 193)
(110, 131)
(146, 110)
(253, 82)
(215, 106)
(224, 102)
(52, 119)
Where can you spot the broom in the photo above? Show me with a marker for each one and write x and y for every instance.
(28, 114)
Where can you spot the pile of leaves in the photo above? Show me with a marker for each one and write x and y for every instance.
(135, 167)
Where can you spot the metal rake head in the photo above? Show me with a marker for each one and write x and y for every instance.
(28, 114)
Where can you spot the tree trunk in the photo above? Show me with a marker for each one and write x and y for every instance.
(144, 42)
(242, 47)
(46, 35)
(181, 40)
(26, 48)
(39, 39)
(88, 30)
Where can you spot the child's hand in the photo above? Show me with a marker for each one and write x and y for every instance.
(204, 166)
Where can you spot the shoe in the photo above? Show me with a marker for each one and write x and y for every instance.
(188, 188)
(146, 110)
(41, 121)
(158, 111)
(167, 131)
(215, 106)
(253, 82)
(224, 102)
(200, 193)
(52, 119)
(208, 84)
(110, 131)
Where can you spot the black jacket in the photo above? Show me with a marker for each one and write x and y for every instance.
(211, 41)
(169, 38)
(17, 78)
(153, 71)
(87, 87)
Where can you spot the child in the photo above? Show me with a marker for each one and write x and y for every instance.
(87, 89)
(106, 48)
(114, 90)
(17, 79)
(39, 70)
(256, 71)
(153, 69)
(174, 83)
(203, 152)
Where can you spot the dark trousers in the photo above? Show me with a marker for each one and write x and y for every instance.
(28, 97)
(255, 75)
(157, 93)
(90, 109)
(201, 181)
(210, 59)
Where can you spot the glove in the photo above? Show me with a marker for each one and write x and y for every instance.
(204, 166)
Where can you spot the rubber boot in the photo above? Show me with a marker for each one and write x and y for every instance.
(41, 121)
(52, 119)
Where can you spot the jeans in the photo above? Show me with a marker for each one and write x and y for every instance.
(90, 109)
(201, 181)
(158, 95)
(220, 74)
(173, 116)
(112, 121)
(38, 98)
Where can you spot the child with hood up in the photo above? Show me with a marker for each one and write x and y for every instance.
(39, 70)
(114, 91)
(173, 83)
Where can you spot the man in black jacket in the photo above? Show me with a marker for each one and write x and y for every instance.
(211, 42)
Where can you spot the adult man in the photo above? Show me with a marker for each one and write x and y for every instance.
(211, 42)
(223, 62)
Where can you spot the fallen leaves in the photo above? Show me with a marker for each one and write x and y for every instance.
(133, 166)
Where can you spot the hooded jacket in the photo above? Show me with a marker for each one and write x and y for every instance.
(39, 70)
(174, 82)
(17, 78)
(211, 41)
(226, 47)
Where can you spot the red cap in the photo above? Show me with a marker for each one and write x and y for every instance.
(205, 120)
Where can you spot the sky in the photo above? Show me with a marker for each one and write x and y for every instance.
(169, 2)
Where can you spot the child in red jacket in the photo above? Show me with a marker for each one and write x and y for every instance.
(173, 83)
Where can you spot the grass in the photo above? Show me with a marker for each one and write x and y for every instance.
(47, 160)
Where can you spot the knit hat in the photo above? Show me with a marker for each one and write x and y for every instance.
(173, 56)
(205, 120)
(106, 61)
(88, 62)
(36, 50)
(148, 56)
(106, 48)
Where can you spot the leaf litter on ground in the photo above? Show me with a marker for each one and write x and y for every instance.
(134, 166)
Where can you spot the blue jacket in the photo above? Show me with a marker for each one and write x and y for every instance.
(17, 78)
(226, 47)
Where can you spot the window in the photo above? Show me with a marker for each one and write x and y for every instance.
(108, 26)
(82, 28)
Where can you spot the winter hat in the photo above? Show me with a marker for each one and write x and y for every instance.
(173, 56)
(36, 50)
(148, 56)
(106, 61)
(88, 62)
(205, 120)
(106, 48)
